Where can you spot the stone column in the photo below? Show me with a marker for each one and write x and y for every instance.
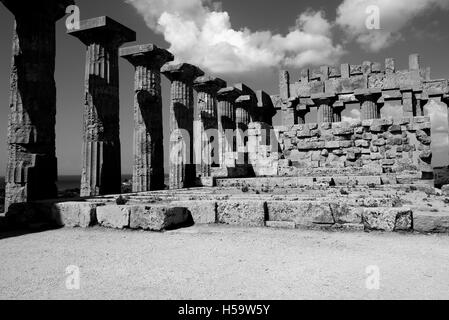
(206, 119)
(101, 173)
(148, 168)
(242, 120)
(32, 165)
(369, 106)
(325, 108)
(226, 125)
(182, 169)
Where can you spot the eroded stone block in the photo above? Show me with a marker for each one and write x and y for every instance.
(157, 217)
(388, 219)
(242, 213)
(75, 214)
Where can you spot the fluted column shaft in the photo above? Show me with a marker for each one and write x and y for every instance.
(370, 109)
(242, 119)
(206, 124)
(205, 119)
(226, 130)
(181, 121)
(101, 171)
(148, 167)
(32, 165)
(325, 112)
(182, 169)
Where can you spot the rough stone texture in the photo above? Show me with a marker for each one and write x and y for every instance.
(242, 213)
(32, 166)
(101, 173)
(157, 217)
(75, 214)
(202, 212)
(281, 225)
(226, 125)
(114, 216)
(148, 169)
(395, 146)
(303, 213)
(388, 219)
(427, 222)
(182, 169)
(412, 88)
(263, 151)
(205, 124)
(445, 190)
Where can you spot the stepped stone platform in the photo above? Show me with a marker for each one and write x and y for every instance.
(352, 203)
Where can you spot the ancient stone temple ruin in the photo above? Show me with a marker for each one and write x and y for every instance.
(230, 162)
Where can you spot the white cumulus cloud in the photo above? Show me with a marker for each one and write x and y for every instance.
(394, 16)
(200, 33)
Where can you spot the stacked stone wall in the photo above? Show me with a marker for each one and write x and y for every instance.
(378, 146)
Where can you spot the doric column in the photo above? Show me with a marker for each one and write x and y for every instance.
(242, 120)
(325, 108)
(226, 125)
(148, 168)
(368, 100)
(101, 173)
(206, 119)
(32, 165)
(182, 169)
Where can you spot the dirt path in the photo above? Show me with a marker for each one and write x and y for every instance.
(223, 263)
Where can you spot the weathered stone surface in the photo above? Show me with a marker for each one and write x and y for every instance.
(306, 213)
(427, 222)
(114, 216)
(281, 224)
(182, 170)
(75, 214)
(32, 165)
(344, 214)
(148, 168)
(202, 212)
(445, 190)
(101, 168)
(243, 213)
(388, 219)
(157, 217)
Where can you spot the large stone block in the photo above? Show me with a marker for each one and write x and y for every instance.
(303, 213)
(114, 216)
(158, 217)
(431, 222)
(388, 219)
(75, 214)
(202, 212)
(344, 214)
(242, 213)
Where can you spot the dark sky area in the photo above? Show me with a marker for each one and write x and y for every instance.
(427, 35)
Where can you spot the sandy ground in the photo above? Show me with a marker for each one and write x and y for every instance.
(217, 262)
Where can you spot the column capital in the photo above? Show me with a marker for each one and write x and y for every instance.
(208, 84)
(229, 94)
(181, 72)
(52, 9)
(146, 55)
(103, 30)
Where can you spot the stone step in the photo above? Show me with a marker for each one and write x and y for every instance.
(328, 181)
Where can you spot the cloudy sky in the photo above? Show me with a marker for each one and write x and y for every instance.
(242, 41)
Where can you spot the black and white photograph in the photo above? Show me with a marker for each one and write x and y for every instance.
(249, 151)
